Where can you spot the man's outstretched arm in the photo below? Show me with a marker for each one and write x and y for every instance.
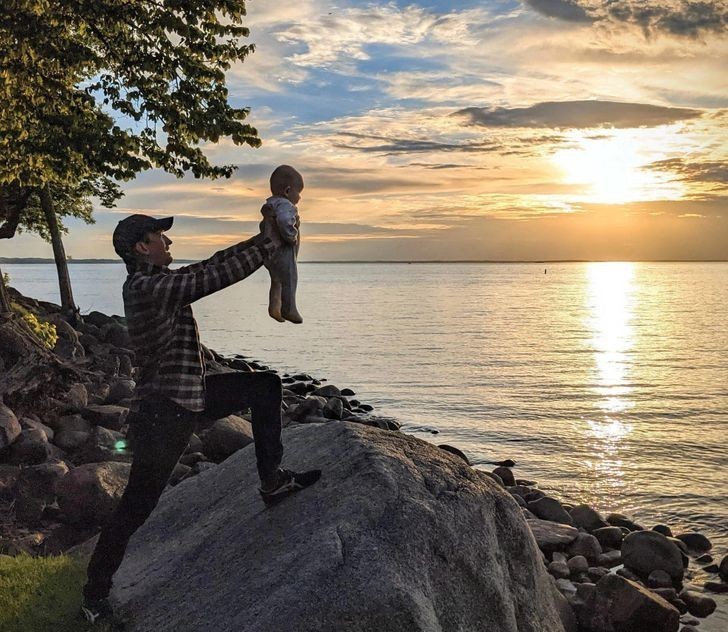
(191, 283)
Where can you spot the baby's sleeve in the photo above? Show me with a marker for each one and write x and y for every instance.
(288, 222)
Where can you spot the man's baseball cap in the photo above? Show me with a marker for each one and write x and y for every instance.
(132, 229)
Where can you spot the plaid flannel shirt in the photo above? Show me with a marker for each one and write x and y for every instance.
(162, 328)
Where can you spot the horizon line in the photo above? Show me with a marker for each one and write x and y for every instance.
(45, 260)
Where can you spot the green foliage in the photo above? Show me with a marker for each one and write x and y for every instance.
(159, 65)
(45, 332)
(42, 594)
(68, 201)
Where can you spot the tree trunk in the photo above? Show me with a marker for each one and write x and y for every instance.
(4, 300)
(68, 305)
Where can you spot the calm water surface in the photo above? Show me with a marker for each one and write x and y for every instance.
(607, 382)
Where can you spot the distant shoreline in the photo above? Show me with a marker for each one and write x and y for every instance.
(33, 260)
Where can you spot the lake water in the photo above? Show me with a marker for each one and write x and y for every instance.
(606, 382)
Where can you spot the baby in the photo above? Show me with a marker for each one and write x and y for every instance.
(286, 185)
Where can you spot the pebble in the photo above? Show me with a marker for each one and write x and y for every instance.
(716, 587)
(663, 529)
(506, 476)
(659, 579)
(723, 569)
(696, 542)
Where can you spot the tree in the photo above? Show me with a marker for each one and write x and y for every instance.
(95, 91)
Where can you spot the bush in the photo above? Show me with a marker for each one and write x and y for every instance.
(45, 332)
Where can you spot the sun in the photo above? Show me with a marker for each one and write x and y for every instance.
(613, 166)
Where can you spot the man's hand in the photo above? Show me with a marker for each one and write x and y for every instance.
(270, 230)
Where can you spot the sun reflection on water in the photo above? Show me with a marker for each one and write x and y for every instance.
(610, 302)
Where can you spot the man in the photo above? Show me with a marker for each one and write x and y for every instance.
(172, 391)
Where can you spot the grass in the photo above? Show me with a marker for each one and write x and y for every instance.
(42, 594)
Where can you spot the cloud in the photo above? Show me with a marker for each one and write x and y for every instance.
(683, 18)
(388, 146)
(711, 172)
(568, 10)
(577, 115)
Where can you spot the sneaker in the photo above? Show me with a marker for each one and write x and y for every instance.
(288, 483)
(100, 612)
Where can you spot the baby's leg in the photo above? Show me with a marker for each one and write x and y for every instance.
(289, 311)
(274, 296)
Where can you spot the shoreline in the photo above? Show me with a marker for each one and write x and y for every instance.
(89, 424)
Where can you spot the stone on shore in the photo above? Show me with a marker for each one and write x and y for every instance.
(108, 415)
(88, 494)
(587, 518)
(396, 536)
(548, 508)
(695, 542)
(620, 605)
(226, 436)
(723, 569)
(698, 605)
(9, 427)
(647, 551)
(506, 475)
(551, 536)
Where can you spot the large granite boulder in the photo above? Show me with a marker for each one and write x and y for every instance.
(398, 535)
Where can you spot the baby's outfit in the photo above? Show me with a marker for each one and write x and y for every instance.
(282, 266)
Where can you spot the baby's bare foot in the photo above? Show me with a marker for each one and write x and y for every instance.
(275, 313)
(293, 316)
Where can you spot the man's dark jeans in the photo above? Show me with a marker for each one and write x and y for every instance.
(161, 431)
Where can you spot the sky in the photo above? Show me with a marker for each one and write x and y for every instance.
(491, 130)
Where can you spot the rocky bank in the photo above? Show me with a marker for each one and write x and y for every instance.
(415, 519)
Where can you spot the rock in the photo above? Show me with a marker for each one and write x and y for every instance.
(119, 390)
(507, 477)
(77, 397)
(347, 392)
(226, 436)
(104, 445)
(97, 319)
(108, 415)
(587, 545)
(596, 573)
(659, 579)
(610, 559)
(716, 587)
(456, 451)
(723, 569)
(551, 535)
(333, 409)
(367, 409)
(647, 551)
(8, 478)
(578, 564)
(195, 444)
(698, 605)
(696, 542)
(359, 564)
(668, 594)
(566, 588)
(499, 480)
(585, 517)
(180, 472)
(705, 558)
(39, 481)
(610, 537)
(71, 440)
(327, 391)
(311, 406)
(559, 570)
(27, 423)
(620, 605)
(30, 448)
(192, 457)
(548, 508)
(299, 388)
(88, 494)
(9, 427)
(74, 423)
(663, 529)
(620, 520)
(566, 612)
